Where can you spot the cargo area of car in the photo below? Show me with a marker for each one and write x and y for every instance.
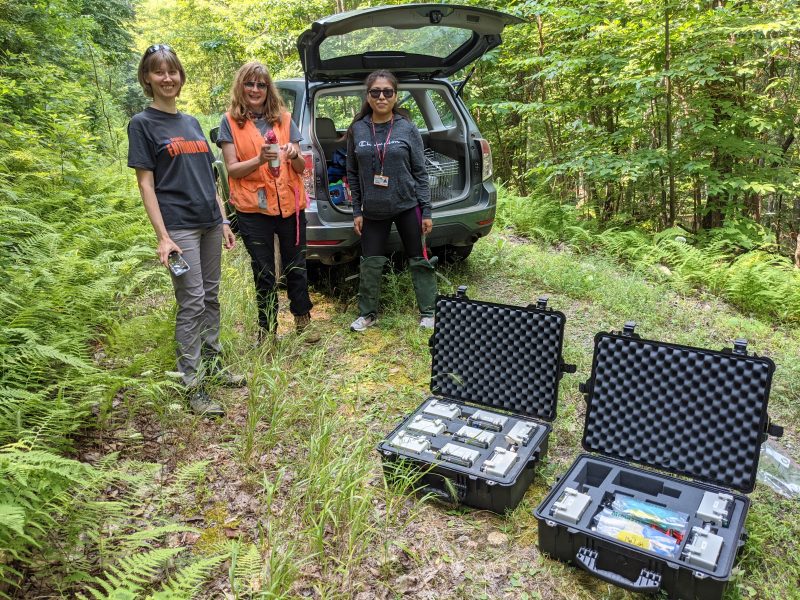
(442, 129)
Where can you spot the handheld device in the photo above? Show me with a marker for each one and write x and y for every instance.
(177, 264)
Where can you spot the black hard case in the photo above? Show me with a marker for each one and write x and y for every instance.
(692, 412)
(496, 357)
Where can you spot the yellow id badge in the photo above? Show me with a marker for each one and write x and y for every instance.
(380, 180)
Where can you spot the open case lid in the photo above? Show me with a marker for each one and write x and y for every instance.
(500, 356)
(689, 411)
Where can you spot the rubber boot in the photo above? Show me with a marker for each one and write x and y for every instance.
(369, 284)
(424, 278)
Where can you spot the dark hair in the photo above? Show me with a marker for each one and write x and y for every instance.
(154, 56)
(366, 109)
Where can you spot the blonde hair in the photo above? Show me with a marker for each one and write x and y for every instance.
(152, 58)
(239, 108)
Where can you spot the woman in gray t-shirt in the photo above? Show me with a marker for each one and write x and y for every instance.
(173, 168)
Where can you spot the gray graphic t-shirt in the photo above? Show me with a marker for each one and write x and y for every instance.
(175, 149)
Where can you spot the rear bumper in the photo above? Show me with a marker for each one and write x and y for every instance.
(454, 225)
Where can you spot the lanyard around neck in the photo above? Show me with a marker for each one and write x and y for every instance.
(382, 154)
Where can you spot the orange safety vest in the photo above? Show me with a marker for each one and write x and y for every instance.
(285, 194)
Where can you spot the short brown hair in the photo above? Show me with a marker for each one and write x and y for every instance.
(154, 56)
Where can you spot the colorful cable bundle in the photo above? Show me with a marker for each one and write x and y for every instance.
(673, 523)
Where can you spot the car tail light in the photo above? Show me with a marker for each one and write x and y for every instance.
(323, 242)
(309, 177)
(487, 167)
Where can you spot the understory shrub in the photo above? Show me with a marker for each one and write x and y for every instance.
(738, 262)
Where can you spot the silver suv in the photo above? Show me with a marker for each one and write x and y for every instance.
(422, 44)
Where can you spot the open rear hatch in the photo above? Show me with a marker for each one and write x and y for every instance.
(422, 40)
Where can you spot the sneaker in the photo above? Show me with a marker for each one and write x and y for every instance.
(361, 323)
(426, 322)
(304, 327)
(201, 404)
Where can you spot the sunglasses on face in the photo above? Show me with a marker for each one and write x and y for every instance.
(376, 92)
(157, 48)
(255, 84)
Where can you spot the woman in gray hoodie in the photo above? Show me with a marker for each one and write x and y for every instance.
(389, 184)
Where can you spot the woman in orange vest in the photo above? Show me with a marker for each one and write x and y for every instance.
(260, 146)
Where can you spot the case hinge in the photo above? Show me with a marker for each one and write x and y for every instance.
(541, 302)
(740, 346)
(461, 292)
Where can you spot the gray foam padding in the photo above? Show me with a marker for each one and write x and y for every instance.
(690, 411)
(500, 356)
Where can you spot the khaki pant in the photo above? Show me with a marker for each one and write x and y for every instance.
(196, 292)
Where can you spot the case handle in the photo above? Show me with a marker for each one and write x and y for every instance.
(446, 494)
(648, 581)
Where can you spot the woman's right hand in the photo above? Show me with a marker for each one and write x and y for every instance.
(357, 223)
(165, 247)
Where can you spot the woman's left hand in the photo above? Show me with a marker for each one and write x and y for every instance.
(427, 226)
(290, 151)
(228, 239)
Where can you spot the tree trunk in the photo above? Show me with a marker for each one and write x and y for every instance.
(668, 117)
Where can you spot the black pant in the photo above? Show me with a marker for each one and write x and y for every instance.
(375, 234)
(257, 231)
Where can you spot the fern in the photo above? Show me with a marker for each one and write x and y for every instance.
(132, 573)
(187, 580)
(737, 261)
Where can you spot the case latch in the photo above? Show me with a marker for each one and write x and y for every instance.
(541, 302)
(461, 292)
(740, 346)
(775, 431)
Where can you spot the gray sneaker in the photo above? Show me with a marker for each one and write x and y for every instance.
(426, 322)
(201, 404)
(361, 323)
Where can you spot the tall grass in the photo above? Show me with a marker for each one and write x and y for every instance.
(737, 262)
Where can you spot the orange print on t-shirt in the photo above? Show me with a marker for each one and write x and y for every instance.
(179, 145)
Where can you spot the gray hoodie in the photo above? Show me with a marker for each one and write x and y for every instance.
(404, 165)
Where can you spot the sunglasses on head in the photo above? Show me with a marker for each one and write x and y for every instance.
(157, 48)
(255, 84)
(376, 92)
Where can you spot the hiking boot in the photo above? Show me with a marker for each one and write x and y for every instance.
(426, 322)
(304, 327)
(202, 404)
(361, 323)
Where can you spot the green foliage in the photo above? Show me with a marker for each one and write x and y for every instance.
(577, 106)
(734, 261)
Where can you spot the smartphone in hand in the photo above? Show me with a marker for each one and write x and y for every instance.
(177, 264)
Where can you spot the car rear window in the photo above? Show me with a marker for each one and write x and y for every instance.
(341, 106)
(429, 41)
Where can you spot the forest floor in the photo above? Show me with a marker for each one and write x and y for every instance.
(290, 483)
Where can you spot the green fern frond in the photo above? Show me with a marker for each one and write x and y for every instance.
(187, 580)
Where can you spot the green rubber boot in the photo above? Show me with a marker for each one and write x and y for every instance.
(424, 278)
(369, 284)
